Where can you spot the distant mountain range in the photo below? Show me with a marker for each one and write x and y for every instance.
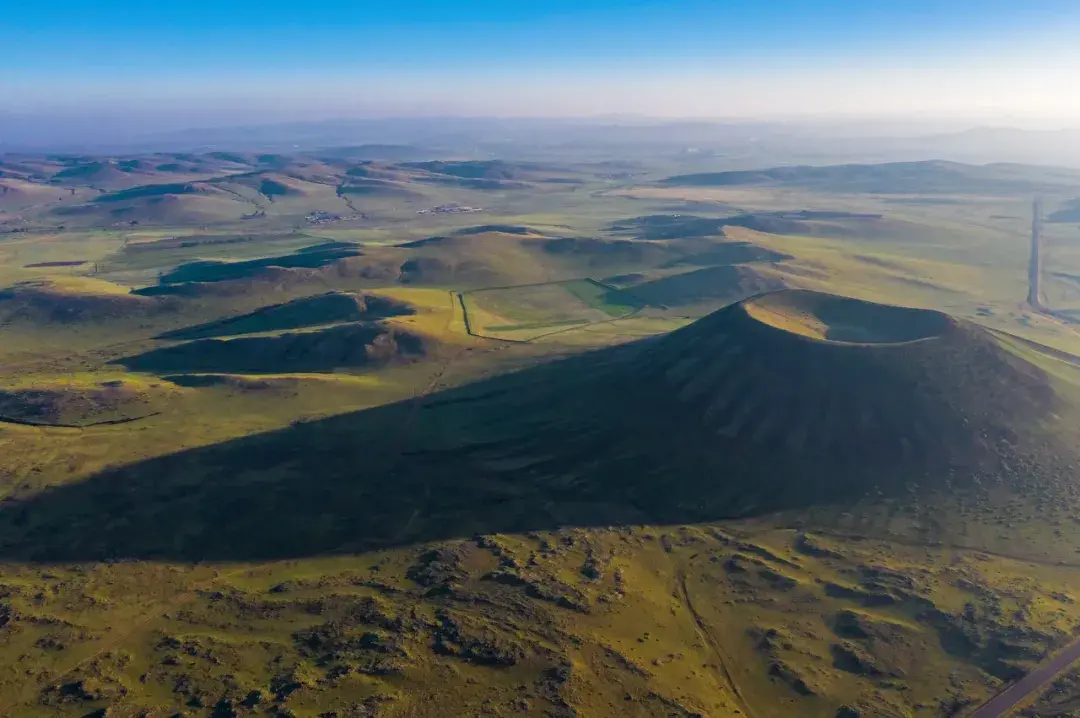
(742, 143)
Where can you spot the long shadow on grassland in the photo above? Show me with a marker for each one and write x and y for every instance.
(407, 472)
(727, 417)
(563, 444)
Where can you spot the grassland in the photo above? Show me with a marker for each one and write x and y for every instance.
(483, 529)
(531, 311)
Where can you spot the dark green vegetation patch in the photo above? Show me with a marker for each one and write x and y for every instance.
(328, 308)
(154, 190)
(680, 226)
(348, 345)
(217, 271)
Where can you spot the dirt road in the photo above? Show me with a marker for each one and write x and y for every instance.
(1004, 703)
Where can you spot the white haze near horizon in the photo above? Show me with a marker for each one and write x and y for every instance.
(1019, 94)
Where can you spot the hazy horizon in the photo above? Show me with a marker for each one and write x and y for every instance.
(163, 68)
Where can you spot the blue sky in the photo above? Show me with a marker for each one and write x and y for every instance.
(512, 57)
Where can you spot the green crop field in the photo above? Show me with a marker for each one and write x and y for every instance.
(530, 311)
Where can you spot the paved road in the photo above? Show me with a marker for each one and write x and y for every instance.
(1005, 702)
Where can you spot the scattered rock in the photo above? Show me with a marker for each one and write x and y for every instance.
(785, 673)
(850, 658)
(439, 567)
(810, 546)
(474, 642)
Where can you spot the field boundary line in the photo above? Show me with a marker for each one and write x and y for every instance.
(641, 306)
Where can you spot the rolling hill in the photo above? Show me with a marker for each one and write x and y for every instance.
(707, 285)
(80, 404)
(106, 174)
(330, 308)
(271, 185)
(218, 271)
(355, 345)
(18, 193)
(73, 300)
(172, 204)
(932, 176)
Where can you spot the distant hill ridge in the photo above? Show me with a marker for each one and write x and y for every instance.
(893, 177)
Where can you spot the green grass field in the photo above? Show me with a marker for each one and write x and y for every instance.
(465, 533)
(531, 311)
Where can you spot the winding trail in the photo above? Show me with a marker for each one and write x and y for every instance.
(711, 641)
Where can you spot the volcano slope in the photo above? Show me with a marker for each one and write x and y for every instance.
(759, 514)
(790, 401)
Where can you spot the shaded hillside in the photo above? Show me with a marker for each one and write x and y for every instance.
(154, 190)
(345, 346)
(470, 260)
(74, 301)
(721, 283)
(605, 253)
(110, 402)
(373, 187)
(394, 153)
(471, 183)
(933, 176)
(376, 170)
(729, 252)
(270, 185)
(327, 308)
(477, 169)
(167, 245)
(743, 413)
(682, 226)
(100, 173)
(1069, 213)
(807, 222)
(272, 279)
(188, 206)
(216, 271)
(502, 229)
(486, 174)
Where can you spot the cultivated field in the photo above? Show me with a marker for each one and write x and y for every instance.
(532, 311)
